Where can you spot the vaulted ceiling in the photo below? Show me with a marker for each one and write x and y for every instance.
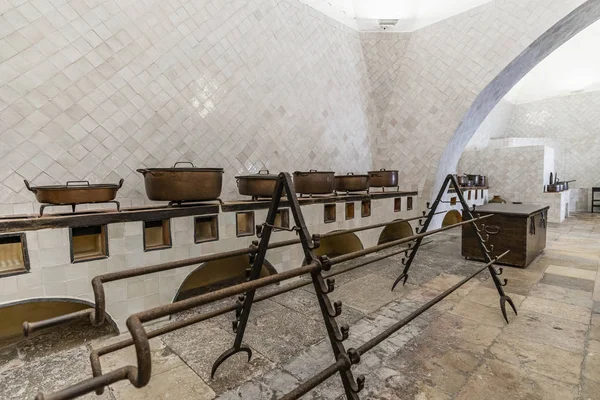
(572, 68)
(412, 14)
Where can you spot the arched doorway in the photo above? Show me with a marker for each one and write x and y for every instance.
(490, 96)
(14, 314)
(452, 217)
(395, 231)
(218, 274)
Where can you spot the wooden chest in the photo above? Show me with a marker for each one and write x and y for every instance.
(521, 229)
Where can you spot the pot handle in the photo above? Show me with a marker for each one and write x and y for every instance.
(313, 170)
(183, 162)
(120, 185)
(350, 173)
(143, 171)
(28, 186)
(492, 230)
(382, 169)
(85, 183)
(266, 171)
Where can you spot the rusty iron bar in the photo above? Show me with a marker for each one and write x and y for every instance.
(320, 377)
(140, 337)
(141, 375)
(29, 327)
(343, 363)
(173, 326)
(97, 314)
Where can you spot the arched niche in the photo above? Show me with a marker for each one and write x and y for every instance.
(340, 244)
(395, 231)
(14, 314)
(452, 217)
(218, 274)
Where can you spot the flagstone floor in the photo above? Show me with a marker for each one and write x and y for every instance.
(460, 349)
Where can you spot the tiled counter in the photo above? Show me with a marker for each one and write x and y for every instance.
(58, 266)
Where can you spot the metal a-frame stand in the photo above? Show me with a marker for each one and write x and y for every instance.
(336, 334)
(467, 215)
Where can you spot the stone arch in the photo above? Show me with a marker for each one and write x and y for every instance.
(13, 314)
(337, 245)
(395, 231)
(452, 217)
(561, 32)
(217, 274)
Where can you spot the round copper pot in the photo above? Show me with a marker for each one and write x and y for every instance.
(257, 185)
(314, 182)
(482, 180)
(383, 178)
(474, 178)
(75, 192)
(462, 180)
(351, 183)
(182, 184)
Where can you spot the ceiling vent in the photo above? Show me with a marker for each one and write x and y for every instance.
(387, 23)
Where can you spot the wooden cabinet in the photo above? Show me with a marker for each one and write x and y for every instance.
(521, 228)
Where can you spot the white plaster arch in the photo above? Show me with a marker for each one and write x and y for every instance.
(577, 20)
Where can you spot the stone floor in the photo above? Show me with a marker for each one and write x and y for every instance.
(460, 349)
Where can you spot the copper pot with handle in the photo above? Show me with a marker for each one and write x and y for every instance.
(383, 178)
(257, 185)
(351, 183)
(314, 182)
(75, 192)
(179, 184)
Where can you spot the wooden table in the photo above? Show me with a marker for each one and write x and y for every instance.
(521, 228)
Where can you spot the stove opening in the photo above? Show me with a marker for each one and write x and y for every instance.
(452, 217)
(337, 245)
(395, 231)
(218, 274)
(73, 334)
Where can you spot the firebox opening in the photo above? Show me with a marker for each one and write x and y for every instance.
(14, 314)
(218, 274)
(452, 217)
(395, 231)
(337, 245)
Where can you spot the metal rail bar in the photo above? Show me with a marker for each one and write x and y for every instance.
(173, 326)
(140, 336)
(320, 377)
(97, 314)
(343, 363)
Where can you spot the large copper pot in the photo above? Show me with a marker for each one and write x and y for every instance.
(257, 185)
(351, 183)
(383, 178)
(314, 182)
(182, 184)
(75, 192)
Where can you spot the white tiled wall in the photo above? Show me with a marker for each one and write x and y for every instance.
(95, 89)
(518, 174)
(447, 65)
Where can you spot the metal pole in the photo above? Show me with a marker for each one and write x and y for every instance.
(320, 377)
(97, 317)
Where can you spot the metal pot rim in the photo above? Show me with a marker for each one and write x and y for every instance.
(266, 176)
(175, 169)
(312, 172)
(257, 176)
(77, 185)
(383, 170)
(351, 176)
